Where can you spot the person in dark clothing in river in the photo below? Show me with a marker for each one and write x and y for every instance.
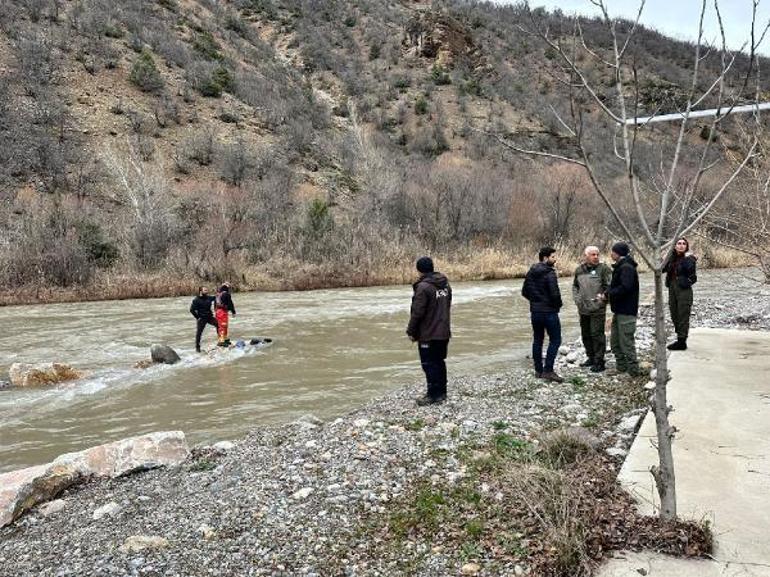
(223, 305)
(624, 304)
(201, 310)
(541, 289)
(429, 326)
(680, 276)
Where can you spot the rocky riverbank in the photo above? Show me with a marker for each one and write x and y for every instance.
(389, 489)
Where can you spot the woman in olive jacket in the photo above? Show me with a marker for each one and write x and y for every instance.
(680, 276)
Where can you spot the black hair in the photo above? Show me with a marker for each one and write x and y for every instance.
(425, 264)
(545, 252)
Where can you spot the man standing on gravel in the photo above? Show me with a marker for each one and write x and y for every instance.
(592, 279)
(541, 289)
(624, 303)
(429, 326)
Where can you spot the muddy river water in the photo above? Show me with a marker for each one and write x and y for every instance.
(333, 351)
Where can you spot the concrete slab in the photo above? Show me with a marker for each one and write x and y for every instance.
(720, 390)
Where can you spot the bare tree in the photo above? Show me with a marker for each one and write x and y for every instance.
(142, 189)
(667, 199)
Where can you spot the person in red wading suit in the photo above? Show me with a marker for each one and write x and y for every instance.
(223, 305)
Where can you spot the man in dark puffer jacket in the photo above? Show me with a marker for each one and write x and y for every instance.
(430, 326)
(541, 289)
(624, 303)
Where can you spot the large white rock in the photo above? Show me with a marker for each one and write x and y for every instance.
(223, 446)
(137, 543)
(303, 493)
(28, 375)
(23, 489)
(628, 424)
(109, 510)
(52, 507)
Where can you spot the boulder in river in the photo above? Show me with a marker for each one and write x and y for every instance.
(29, 375)
(163, 354)
(23, 489)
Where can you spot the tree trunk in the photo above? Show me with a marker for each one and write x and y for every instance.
(663, 473)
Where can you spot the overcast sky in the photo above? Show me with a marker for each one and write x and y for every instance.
(678, 18)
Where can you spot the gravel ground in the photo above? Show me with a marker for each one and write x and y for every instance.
(733, 299)
(296, 499)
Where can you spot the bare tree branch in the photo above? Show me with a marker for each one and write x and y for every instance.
(520, 150)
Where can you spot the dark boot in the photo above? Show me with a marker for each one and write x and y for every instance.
(679, 345)
(428, 400)
(553, 377)
(598, 368)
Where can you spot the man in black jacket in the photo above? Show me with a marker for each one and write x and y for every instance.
(201, 310)
(429, 326)
(624, 303)
(541, 289)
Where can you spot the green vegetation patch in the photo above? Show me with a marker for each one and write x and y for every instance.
(440, 76)
(145, 74)
(205, 44)
(421, 105)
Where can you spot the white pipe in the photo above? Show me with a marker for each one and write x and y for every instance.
(700, 113)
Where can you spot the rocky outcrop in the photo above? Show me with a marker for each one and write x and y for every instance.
(439, 37)
(163, 354)
(23, 489)
(29, 375)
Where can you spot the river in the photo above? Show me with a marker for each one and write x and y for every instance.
(333, 351)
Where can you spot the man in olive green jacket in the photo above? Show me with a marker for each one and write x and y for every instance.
(591, 281)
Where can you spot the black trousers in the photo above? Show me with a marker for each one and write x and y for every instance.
(201, 324)
(433, 357)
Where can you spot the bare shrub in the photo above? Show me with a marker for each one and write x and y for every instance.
(298, 136)
(237, 162)
(37, 61)
(142, 191)
(166, 111)
(52, 243)
(201, 146)
(145, 146)
(428, 141)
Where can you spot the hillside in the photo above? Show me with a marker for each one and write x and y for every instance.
(148, 146)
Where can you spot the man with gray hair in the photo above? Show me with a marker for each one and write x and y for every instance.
(592, 278)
